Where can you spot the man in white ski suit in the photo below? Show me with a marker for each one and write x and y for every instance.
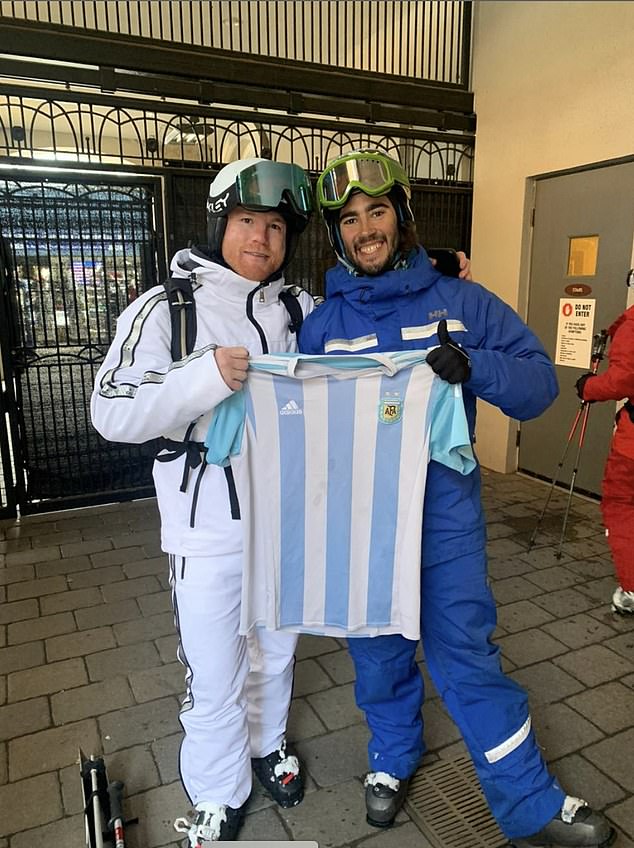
(238, 690)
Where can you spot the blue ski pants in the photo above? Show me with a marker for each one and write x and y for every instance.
(458, 617)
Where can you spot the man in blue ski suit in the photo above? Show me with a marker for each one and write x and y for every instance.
(385, 295)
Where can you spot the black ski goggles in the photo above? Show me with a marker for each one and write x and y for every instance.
(271, 183)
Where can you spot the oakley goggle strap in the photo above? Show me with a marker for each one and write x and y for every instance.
(269, 183)
(371, 175)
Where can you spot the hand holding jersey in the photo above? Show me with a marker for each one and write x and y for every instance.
(233, 364)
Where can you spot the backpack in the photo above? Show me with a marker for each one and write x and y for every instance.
(182, 306)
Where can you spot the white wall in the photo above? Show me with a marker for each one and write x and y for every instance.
(554, 89)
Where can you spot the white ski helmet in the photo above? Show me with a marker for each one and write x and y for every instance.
(259, 185)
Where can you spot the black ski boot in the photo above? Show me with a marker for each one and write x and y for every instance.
(279, 774)
(576, 825)
(211, 823)
(384, 796)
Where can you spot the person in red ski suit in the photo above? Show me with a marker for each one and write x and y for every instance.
(617, 504)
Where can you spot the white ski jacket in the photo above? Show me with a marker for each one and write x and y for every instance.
(141, 394)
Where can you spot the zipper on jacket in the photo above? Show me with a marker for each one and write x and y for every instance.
(250, 316)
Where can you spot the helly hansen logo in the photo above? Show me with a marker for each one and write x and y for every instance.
(291, 408)
(437, 314)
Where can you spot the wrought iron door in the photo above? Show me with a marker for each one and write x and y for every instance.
(76, 253)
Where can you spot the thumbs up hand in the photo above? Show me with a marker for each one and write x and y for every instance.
(450, 361)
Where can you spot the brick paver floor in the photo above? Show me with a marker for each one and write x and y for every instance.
(87, 658)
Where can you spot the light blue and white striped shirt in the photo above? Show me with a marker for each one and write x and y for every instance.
(330, 462)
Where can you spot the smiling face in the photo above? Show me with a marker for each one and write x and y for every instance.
(369, 231)
(254, 243)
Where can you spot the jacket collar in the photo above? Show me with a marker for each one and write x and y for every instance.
(417, 275)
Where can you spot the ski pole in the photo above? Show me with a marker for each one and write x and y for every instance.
(96, 804)
(584, 424)
(599, 343)
(115, 825)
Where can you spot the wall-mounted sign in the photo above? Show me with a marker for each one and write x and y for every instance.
(578, 290)
(574, 332)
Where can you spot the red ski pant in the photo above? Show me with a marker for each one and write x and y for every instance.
(617, 506)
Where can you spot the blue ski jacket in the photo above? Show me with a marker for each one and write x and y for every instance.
(400, 310)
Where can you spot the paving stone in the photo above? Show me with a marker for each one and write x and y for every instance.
(49, 678)
(513, 589)
(439, 728)
(27, 803)
(106, 614)
(167, 646)
(71, 791)
(70, 600)
(578, 630)
(608, 706)
(144, 628)
(30, 556)
(530, 646)
(143, 723)
(40, 628)
(62, 832)
(80, 643)
(544, 557)
(303, 721)
(3, 689)
(344, 823)
(614, 757)
(96, 577)
(68, 565)
(594, 664)
(36, 588)
(623, 817)
(4, 764)
(158, 602)
(263, 822)
(337, 756)
(92, 700)
(18, 611)
(309, 678)
(166, 755)
(150, 565)
(521, 615)
(564, 602)
(557, 577)
(336, 707)
(129, 540)
(51, 749)
(116, 592)
(21, 656)
(156, 810)
(106, 664)
(116, 556)
(504, 548)
(600, 591)
(545, 682)
(136, 767)
(313, 646)
(405, 835)
(16, 574)
(623, 645)
(89, 546)
(23, 718)
(53, 536)
(583, 780)
(502, 569)
(338, 665)
(593, 567)
(153, 683)
(562, 731)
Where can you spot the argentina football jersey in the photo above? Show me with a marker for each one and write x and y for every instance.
(329, 455)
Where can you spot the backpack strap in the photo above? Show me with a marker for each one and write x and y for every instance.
(180, 298)
(290, 298)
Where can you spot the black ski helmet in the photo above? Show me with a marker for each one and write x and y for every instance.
(259, 185)
(370, 171)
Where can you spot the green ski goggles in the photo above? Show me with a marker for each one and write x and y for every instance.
(269, 183)
(371, 172)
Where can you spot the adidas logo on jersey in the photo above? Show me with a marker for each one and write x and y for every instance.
(291, 408)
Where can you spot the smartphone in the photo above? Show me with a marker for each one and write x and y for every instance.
(447, 261)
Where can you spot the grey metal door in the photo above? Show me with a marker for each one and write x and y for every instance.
(581, 254)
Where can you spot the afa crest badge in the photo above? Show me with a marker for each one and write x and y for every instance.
(390, 409)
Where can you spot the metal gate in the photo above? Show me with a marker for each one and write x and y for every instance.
(75, 253)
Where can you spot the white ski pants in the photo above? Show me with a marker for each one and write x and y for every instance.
(238, 688)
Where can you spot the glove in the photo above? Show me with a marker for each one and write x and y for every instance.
(450, 361)
(581, 382)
